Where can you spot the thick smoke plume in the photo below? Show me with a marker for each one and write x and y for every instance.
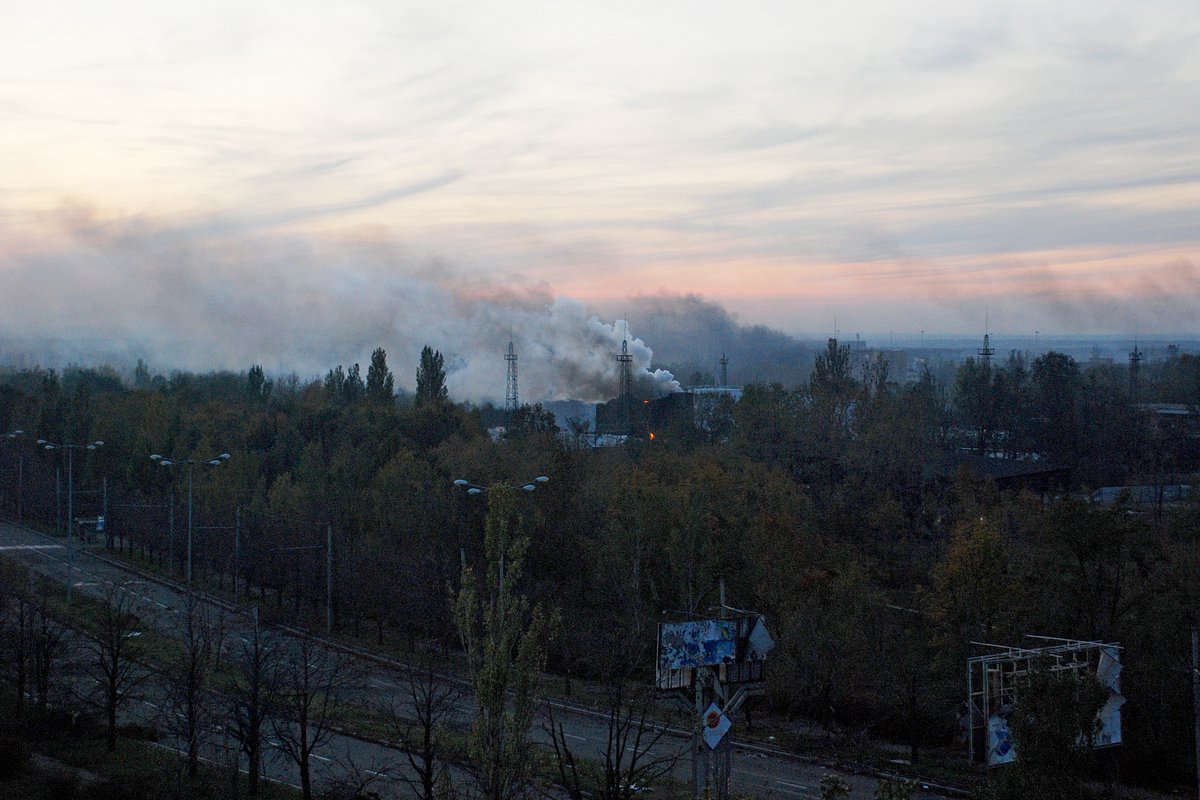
(691, 333)
(204, 298)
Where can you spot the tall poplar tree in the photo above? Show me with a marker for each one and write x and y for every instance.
(431, 377)
(505, 645)
(380, 382)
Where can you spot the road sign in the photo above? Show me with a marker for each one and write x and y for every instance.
(716, 725)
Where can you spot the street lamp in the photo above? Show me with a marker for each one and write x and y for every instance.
(474, 488)
(70, 448)
(190, 463)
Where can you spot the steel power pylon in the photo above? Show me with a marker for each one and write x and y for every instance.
(1135, 365)
(510, 385)
(625, 391)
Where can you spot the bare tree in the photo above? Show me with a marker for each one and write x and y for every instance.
(188, 677)
(112, 662)
(17, 613)
(635, 754)
(254, 661)
(46, 647)
(420, 718)
(309, 686)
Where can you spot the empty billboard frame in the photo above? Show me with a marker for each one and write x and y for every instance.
(993, 683)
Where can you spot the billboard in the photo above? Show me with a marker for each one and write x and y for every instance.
(993, 683)
(697, 643)
(734, 647)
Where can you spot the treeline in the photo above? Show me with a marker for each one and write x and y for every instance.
(825, 506)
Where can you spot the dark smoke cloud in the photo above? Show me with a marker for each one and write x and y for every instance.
(690, 334)
(215, 297)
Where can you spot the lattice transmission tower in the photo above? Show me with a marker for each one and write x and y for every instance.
(510, 385)
(625, 390)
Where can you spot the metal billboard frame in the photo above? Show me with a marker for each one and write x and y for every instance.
(992, 686)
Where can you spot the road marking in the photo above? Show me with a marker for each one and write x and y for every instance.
(31, 547)
(382, 684)
(794, 785)
(574, 736)
(377, 773)
(323, 758)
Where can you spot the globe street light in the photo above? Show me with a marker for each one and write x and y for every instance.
(474, 488)
(70, 448)
(190, 463)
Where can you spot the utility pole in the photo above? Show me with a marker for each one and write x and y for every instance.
(1196, 699)
(70, 525)
(171, 531)
(237, 549)
(329, 579)
(108, 535)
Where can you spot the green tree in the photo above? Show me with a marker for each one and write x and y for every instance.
(258, 388)
(972, 589)
(1057, 388)
(1053, 725)
(975, 401)
(353, 389)
(381, 385)
(335, 379)
(505, 648)
(431, 378)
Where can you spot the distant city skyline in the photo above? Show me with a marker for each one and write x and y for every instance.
(192, 178)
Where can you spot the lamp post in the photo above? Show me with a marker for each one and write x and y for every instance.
(476, 489)
(70, 448)
(190, 463)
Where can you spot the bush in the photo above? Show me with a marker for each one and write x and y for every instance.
(834, 787)
(14, 758)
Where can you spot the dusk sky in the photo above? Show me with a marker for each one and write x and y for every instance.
(901, 166)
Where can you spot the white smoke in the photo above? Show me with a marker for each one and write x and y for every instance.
(203, 298)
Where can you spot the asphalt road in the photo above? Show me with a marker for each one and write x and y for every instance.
(755, 771)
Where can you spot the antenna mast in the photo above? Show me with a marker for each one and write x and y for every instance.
(987, 351)
(1135, 364)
